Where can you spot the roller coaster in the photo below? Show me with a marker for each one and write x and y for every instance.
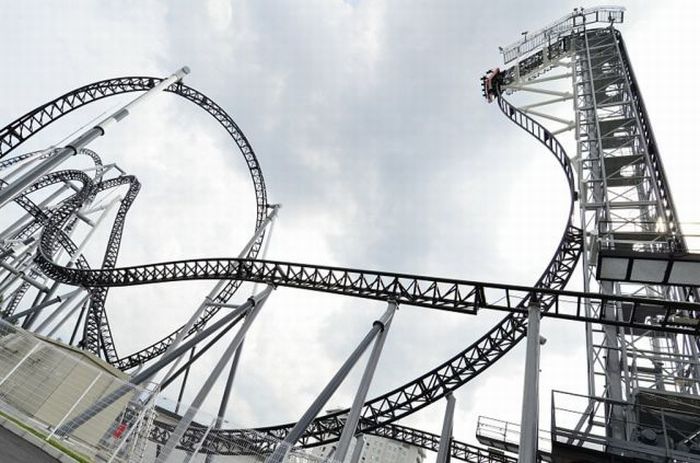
(622, 227)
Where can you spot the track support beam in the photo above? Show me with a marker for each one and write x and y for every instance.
(315, 408)
(189, 415)
(354, 414)
(447, 427)
(529, 422)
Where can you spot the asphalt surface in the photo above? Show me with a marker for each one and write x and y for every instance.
(14, 449)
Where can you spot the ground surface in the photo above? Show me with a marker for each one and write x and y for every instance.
(14, 449)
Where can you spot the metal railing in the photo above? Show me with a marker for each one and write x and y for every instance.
(652, 433)
(563, 26)
(649, 236)
(506, 435)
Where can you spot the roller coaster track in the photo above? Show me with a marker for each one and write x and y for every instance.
(97, 327)
(423, 291)
(251, 441)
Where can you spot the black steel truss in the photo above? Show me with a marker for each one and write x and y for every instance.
(421, 291)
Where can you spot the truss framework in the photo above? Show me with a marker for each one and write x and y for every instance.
(625, 205)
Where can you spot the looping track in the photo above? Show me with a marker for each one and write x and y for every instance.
(378, 413)
(97, 336)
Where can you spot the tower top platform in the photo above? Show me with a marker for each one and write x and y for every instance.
(561, 27)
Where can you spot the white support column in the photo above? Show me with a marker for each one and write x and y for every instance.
(63, 320)
(17, 269)
(208, 298)
(359, 447)
(95, 226)
(217, 304)
(19, 274)
(314, 409)
(15, 317)
(21, 167)
(189, 457)
(189, 415)
(45, 324)
(227, 393)
(237, 355)
(27, 217)
(354, 413)
(529, 422)
(447, 427)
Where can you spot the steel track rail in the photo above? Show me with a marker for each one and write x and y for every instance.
(422, 291)
(382, 411)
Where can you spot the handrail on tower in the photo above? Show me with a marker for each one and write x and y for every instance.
(562, 26)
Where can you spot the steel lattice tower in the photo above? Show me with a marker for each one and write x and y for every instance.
(632, 237)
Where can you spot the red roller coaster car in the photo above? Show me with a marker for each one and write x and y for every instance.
(489, 83)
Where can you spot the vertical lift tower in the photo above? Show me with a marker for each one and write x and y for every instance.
(643, 400)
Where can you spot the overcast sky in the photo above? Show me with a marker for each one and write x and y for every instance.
(367, 119)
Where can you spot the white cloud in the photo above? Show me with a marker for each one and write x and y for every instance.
(220, 13)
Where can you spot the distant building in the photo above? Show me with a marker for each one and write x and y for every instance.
(377, 450)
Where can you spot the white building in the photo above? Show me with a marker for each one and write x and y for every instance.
(376, 450)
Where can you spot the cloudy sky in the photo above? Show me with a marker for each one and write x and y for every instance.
(367, 119)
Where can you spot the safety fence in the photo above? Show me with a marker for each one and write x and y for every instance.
(506, 435)
(67, 397)
(60, 395)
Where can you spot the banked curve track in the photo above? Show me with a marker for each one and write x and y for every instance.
(379, 412)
